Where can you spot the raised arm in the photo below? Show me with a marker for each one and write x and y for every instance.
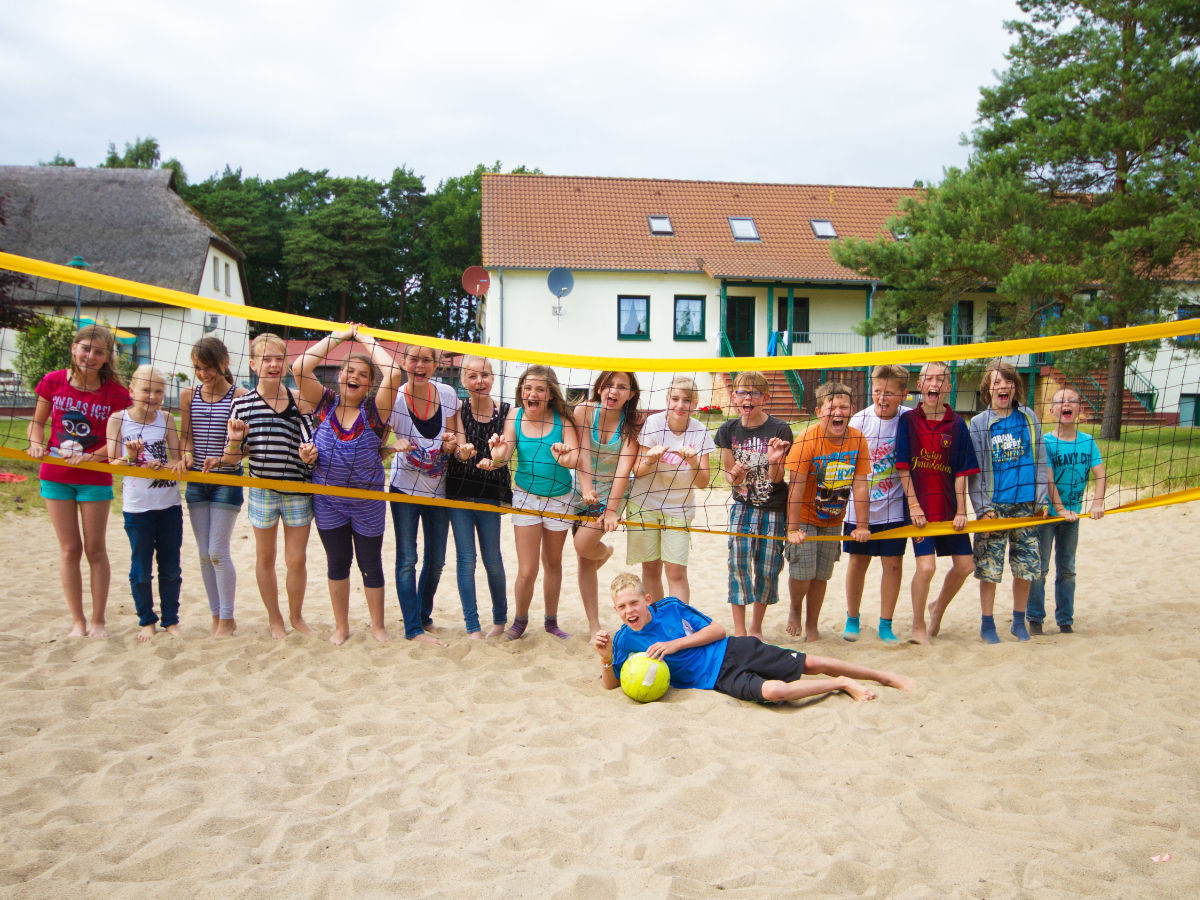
(385, 397)
(305, 366)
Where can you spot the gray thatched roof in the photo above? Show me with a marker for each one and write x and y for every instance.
(129, 223)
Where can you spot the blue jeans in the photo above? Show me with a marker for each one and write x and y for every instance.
(158, 532)
(416, 596)
(466, 522)
(1063, 537)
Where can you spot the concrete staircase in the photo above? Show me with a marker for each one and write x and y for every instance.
(1094, 389)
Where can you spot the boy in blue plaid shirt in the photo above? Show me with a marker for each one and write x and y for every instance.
(753, 449)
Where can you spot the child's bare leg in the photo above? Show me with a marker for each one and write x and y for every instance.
(216, 623)
(295, 554)
(588, 573)
(777, 691)
(173, 629)
(739, 619)
(64, 516)
(552, 553)
(919, 590)
(264, 574)
(375, 604)
(146, 632)
(812, 613)
(652, 571)
(856, 579)
(757, 614)
(889, 586)
(94, 517)
(677, 581)
(827, 665)
(964, 565)
(226, 627)
(528, 540)
(339, 599)
(987, 597)
(796, 592)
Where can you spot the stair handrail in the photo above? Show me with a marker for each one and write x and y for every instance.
(1140, 385)
(795, 385)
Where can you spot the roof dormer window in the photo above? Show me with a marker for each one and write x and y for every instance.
(823, 228)
(660, 225)
(743, 229)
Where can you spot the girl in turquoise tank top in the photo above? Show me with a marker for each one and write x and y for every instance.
(608, 424)
(542, 432)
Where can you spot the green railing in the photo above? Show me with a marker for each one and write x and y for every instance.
(1142, 388)
(778, 346)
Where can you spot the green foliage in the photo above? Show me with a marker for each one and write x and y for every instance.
(59, 160)
(143, 153)
(1081, 205)
(44, 347)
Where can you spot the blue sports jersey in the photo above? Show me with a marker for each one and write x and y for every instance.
(695, 667)
(1071, 462)
(1013, 465)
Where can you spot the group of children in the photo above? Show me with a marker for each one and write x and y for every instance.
(580, 470)
(852, 475)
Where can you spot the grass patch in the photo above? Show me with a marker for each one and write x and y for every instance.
(1158, 459)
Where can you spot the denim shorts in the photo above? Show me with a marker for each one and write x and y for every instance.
(80, 493)
(217, 494)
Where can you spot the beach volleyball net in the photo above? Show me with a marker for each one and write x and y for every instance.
(1154, 461)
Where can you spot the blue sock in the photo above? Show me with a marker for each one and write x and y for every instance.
(987, 630)
(1018, 626)
(850, 632)
(885, 632)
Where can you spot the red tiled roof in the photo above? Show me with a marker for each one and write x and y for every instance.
(542, 221)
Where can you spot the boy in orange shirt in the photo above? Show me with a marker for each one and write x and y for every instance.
(830, 464)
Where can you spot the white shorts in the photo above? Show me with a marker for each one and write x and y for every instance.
(538, 505)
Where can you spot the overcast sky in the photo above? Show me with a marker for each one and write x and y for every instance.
(872, 92)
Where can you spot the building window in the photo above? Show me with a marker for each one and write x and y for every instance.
(216, 274)
(1188, 311)
(141, 349)
(227, 293)
(743, 229)
(799, 333)
(823, 228)
(660, 225)
(966, 324)
(689, 318)
(993, 323)
(633, 318)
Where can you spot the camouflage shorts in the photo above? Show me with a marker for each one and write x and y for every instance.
(1023, 558)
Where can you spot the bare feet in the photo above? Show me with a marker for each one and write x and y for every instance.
(753, 634)
(495, 631)
(173, 629)
(475, 636)
(425, 638)
(301, 626)
(278, 632)
(147, 633)
(899, 682)
(79, 629)
(216, 624)
(794, 625)
(859, 692)
(380, 633)
(225, 627)
(98, 629)
(430, 628)
(339, 636)
(935, 619)
(812, 634)
(919, 636)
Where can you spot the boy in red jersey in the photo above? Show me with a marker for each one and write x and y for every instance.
(934, 456)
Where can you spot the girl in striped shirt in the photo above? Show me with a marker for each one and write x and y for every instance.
(212, 508)
(350, 432)
(268, 426)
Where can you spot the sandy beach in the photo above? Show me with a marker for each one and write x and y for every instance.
(244, 767)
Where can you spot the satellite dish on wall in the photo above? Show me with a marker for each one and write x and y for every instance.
(475, 281)
(560, 281)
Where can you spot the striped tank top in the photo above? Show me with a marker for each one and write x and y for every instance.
(210, 427)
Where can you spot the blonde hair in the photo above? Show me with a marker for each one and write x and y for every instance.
(98, 334)
(483, 361)
(685, 383)
(415, 350)
(756, 380)
(626, 581)
(146, 372)
(258, 345)
(1059, 397)
(832, 389)
(891, 372)
(944, 366)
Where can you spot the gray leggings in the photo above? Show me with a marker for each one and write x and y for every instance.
(212, 525)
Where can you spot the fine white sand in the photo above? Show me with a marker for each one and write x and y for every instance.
(202, 767)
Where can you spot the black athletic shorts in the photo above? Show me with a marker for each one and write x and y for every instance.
(749, 662)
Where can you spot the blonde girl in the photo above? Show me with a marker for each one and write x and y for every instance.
(144, 436)
(608, 426)
(77, 402)
(268, 426)
(542, 432)
(673, 451)
(212, 508)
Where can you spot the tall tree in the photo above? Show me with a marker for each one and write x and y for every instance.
(1079, 204)
(143, 153)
